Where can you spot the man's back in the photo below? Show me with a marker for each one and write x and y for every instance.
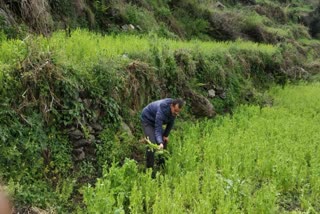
(149, 112)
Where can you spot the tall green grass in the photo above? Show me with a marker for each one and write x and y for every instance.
(260, 160)
(83, 49)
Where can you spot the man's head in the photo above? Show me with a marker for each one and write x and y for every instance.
(176, 106)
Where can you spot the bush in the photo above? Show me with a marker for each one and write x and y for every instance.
(138, 16)
(115, 145)
(111, 194)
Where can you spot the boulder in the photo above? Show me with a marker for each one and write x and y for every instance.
(139, 28)
(87, 103)
(78, 151)
(91, 138)
(90, 130)
(125, 128)
(76, 134)
(220, 92)
(200, 106)
(81, 143)
(211, 93)
(80, 156)
(97, 127)
(131, 27)
(223, 95)
(220, 5)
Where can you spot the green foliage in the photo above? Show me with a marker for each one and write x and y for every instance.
(34, 159)
(115, 146)
(139, 16)
(112, 193)
(9, 30)
(49, 84)
(194, 27)
(259, 160)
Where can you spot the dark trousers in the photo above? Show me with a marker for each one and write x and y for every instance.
(150, 132)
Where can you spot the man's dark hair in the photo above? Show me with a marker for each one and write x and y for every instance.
(178, 101)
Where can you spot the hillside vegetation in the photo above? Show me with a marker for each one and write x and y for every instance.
(75, 75)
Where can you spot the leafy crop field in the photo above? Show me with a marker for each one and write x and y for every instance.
(259, 160)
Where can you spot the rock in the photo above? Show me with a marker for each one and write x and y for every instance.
(90, 152)
(139, 28)
(90, 130)
(80, 156)
(131, 27)
(76, 134)
(81, 143)
(87, 103)
(124, 27)
(78, 150)
(200, 106)
(91, 138)
(211, 93)
(128, 27)
(223, 95)
(220, 5)
(36, 210)
(125, 128)
(220, 92)
(72, 128)
(97, 127)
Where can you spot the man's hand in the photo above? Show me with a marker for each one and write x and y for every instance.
(161, 146)
(165, 139)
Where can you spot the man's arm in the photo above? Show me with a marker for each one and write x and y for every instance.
(158, 127)
(168, 128)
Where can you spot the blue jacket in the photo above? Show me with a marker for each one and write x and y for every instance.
(156, 114)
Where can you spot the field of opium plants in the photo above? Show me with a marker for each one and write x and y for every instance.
(259, 160)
